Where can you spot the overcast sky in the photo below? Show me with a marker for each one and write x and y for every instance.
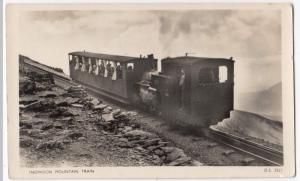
(251, 37)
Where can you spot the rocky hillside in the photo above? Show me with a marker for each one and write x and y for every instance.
(67, 127)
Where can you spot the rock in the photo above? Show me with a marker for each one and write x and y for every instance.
(24, 131)
(27, 100)
(75, 92)
(26, 86)
(85, 155)
(175, 154)
(77, 105)
(48, 94)
(124, 144)
(116, 112)
(26, 142)
(159, 152)
(156, 160)
(61, 112)
(138, 142)
(151, 148)
(90, 102)
(66, 120)
(211, 145)
(50, 145)
(139, 148)
(81, 138)
(104, 132)
(94, 102)
(25, 125)
(66, 141)
(66, 101)
(107, 109)
(58, 112)
(45, 78)
(131, 113)
(42, 87)
(139, 133)
(41, 106)
(100, 107)
(196, 163)
(34, 132)
(227, 152)
(179, 161)
(108, 117)
(75, 135)
(167, 149)
(121, 116)
(21, 106)
(74, 88)
(164, 143)
(247, 161)
(127, 129)
(151, 142)
(123, 140)
(47, 126)
(58, 126)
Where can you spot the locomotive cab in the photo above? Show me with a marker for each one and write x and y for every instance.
(195, 90)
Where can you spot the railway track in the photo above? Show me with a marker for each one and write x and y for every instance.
(269, 155)
(273, 157)
(60, 79)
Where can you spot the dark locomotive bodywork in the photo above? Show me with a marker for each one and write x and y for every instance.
(206, 96)
(192, 90)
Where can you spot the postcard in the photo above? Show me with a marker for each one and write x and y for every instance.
(150, 90)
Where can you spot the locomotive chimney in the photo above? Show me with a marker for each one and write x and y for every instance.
(150, 56)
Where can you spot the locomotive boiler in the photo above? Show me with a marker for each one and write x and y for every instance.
(196, 91)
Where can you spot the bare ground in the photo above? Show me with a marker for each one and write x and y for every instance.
(68, 127)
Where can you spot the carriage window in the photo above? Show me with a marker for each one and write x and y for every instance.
(77, 63)
(223, 74)
(102, 68)
(130, 66)
(84, 65)
(110, 69)
(119, 71)
(90, 66)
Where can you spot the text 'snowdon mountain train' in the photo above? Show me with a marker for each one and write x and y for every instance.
(193, 90)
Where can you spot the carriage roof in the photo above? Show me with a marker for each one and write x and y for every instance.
(109, 57)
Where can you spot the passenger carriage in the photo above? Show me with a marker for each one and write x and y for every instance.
(113, 76)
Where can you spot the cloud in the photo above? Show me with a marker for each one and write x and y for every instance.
(250, 36)
(52, 16)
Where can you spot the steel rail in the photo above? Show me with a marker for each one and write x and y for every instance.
(274, 157)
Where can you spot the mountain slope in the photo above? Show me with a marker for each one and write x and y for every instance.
(267, 102)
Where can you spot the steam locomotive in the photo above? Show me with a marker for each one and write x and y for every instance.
(194, 90)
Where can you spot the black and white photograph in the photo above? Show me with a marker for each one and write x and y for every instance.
(154, 86)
